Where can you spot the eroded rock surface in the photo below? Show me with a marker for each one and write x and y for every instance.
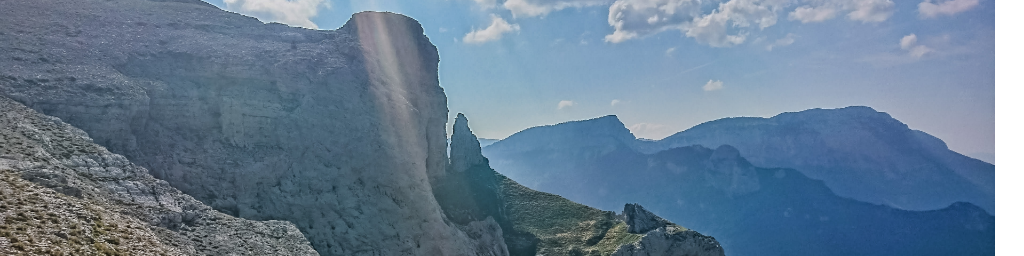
(672, 242)
(662, 237)
(640, 220)
(335, 131)
(65, 195)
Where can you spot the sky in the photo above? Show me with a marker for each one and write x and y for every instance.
(663, 66)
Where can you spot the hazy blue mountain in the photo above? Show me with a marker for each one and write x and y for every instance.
(983, 156)
(750, 210)
(858, 152)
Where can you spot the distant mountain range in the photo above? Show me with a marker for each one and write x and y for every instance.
(763, 211)
(858, 152)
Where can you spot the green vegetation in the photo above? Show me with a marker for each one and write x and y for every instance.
(49, 223)
(563, 227)
(616, 236)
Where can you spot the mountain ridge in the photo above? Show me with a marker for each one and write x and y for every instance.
(751, 210)
(838, 155)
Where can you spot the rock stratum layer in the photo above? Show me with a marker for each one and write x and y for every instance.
(335, 131)
(61, 194)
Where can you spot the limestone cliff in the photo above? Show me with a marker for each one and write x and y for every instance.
(61, 194)
(338, 132)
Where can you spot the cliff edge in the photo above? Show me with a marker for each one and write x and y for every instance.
(335, 131)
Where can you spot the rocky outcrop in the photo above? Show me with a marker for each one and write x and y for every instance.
(668, 241)
(661, 237)
(640, 220)
(339, 132)
(64, 195)
(468, 192)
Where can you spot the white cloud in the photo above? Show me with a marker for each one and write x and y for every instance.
(636, 18)
(711, 29)
(493, 32)
(788, 40)
(631, 18)
(909, 43)
(670, 51)
(291, 12)
(616, 102)
(713, 85)
(930, 9)
(919, 51)
(532, 8)
(870, 10)
(809, 14)
(566, 104)
(858, 10)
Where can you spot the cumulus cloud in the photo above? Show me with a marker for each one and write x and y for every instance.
(870, 10)
(636, 18)
(532, 8)
(909, 43)
(788, 40)
(713, 85)
(932, 9)
(717, 23)
(858, 10)
(616, 102)
(493, 32)
(919, 51)
(291, 12)
(566, 104)
(809, 14)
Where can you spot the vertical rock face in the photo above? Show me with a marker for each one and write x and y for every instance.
(468, 193)
(338, 132)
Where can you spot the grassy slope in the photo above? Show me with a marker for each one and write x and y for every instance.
(35, 220)
(563, 227)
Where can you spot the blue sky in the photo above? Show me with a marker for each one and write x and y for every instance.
(663, 66)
